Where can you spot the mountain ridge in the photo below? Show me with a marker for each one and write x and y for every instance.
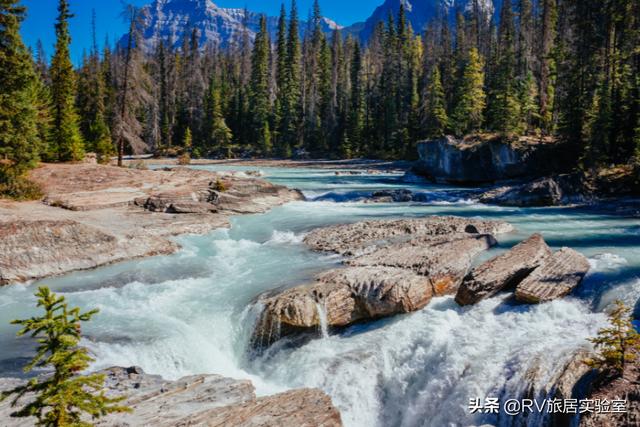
(171, 20)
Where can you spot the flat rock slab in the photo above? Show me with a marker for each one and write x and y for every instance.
(556, 277)
(504, 271)
(198, 400)
(445, 259)
(352, 239)
(304, 407)
(33, 249)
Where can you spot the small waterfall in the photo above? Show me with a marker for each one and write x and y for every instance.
(322, 317)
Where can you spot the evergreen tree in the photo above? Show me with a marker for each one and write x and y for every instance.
(437, 121)
(504, 109)
(618, 344)
(292, 92)
(91, 96)
(259, 94)
(19, 139)
(62, 398)
(547, 65)
(468, 113)
(281, 145)
(66, 138)
(353, 143)
(217, 133)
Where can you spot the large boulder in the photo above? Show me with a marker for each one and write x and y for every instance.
(503, 271)
(549, 191)
(556, 277)
(340, 298)
(487, 159)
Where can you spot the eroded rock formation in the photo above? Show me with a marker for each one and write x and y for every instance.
(503, 271)
(399, 265)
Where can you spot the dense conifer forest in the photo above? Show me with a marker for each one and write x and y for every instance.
(562, 69)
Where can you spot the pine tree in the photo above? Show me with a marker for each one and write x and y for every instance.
(19, 142)
(187, 139)
(217, 133)
(91, 96)
(355, 127)
(504, 109)
(292, 92)
(259, 93)
(66, 138)
(468, 113)
(547, 65)
(437, 121)
(618, 344)
(281, 147)
(62, 398)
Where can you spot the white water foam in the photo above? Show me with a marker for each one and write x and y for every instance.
(422, 368)
(285, 237)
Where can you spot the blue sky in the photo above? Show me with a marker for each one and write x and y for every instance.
(42, 14)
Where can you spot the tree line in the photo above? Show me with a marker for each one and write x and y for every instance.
(567, 69)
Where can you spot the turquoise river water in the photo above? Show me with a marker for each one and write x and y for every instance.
(191, 312)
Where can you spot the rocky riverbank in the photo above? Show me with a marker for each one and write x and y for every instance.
(199, 400)
(527, 171)
(94, 215)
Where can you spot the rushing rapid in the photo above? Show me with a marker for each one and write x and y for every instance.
(193, 312)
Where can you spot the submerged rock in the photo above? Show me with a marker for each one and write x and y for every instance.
(387, 196)
(549, 191)
(504, 271)
(210, 400)
(556, 277)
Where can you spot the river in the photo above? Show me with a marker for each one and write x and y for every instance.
(191, 312)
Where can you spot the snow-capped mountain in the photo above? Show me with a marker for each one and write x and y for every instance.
(170, 19)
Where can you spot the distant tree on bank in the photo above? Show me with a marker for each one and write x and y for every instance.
(63, 397)
(66, 140)
(469, 109)
(20, 143)
(91, 104)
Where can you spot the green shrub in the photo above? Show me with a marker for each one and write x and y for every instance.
(219, 186)
(21, 189)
